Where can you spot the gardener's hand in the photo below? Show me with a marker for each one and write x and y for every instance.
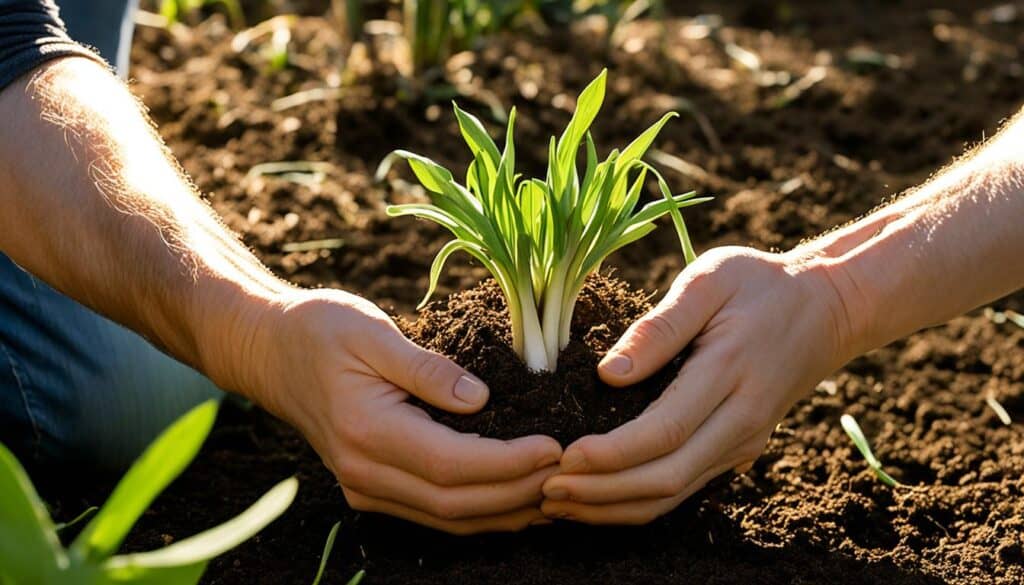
(336, 367)
(764, 328)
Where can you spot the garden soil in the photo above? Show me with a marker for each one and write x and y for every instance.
(892, 91)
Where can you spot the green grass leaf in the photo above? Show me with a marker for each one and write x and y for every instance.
(855, 433)
(328, 547)
(587, 106)
(30, 551)
(158, 466)
(215, 541)
(137, 575)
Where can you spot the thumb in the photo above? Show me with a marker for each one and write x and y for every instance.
(430, 376)
(657, 337)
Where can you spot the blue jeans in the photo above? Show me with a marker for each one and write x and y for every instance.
(76, 388)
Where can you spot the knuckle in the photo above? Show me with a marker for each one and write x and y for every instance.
(723, 255)
(659, 326)
(446, 507)
(602, 453)
(749, 416)
(620, 455)
(698, 278)
(357, 501)
(675, 483)
(673, 431)
(352, 474)
(718, 265)
(729, 352)
(358, 431)
(669, 485)
(427, 369)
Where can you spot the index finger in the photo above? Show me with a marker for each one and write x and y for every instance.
(445, 457)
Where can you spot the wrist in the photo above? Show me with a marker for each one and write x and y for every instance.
(233, 337)
(845, 307)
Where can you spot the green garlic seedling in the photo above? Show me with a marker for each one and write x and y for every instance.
(857, 436)
(540, 239)
(30, 551)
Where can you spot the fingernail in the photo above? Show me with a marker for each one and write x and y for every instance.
(574, 462)
(556, 493)
(470, 390)
(619, 364)
(541, 522)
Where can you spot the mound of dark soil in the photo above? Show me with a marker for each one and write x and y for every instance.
(472, 328)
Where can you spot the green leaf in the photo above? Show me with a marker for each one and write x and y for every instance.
(638, 148)
(587, 106)
(158, 466)
(628, 237)
(136, 575)
(656, 209)
(77, 519)
(30, 551)
(430, 212)
(476, 136)
(216, 541)
(169, 10)
(855, 433)
(328, 547)
(431, 175)
(357, 578)
(677, 218)
(438, 264)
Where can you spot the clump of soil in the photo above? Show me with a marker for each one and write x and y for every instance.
(472, 328)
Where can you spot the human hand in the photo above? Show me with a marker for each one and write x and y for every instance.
(338, 369)
(764, 328)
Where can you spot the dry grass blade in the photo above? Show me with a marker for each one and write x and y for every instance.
(994, 404)
(311, 245)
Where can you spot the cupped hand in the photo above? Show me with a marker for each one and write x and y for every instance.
(764, 330)
(338, 369)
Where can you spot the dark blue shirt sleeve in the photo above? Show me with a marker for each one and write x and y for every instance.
(32, 33)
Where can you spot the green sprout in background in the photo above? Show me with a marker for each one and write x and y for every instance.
(328, 547)
(857, 436)
(437, 28)
(30, 551)
(540, 239)
(175, 10)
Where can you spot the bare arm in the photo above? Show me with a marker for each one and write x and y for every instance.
(766, 328)
(93, 204)
(947, 247)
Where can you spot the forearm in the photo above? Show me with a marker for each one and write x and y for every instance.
(947, 247)
(95, 206)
